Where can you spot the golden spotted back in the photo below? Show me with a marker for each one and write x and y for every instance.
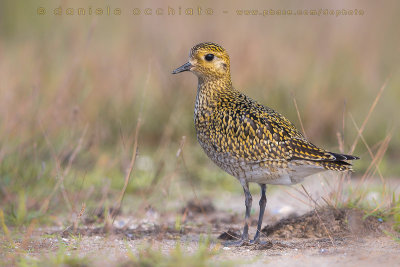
(243, 137)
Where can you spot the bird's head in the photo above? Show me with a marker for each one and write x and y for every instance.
(208, 61)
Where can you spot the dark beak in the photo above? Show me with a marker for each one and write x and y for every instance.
(185, 67)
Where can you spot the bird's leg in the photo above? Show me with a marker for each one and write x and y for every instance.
(248, 201)
(263, 202)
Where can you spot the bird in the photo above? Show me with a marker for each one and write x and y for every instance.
(250, 141)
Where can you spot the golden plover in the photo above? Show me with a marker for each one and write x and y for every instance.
(250, 141)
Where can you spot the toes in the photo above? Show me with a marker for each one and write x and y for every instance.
(262, 245)
(236, 243)
(255, 241)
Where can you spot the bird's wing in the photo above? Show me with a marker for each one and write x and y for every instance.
(257, 133)
(284, 140)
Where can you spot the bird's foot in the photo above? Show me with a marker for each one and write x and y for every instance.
(261, 244)
(246, 242)
(237, 243)
(256, 241)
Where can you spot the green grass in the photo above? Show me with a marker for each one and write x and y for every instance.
(203, 256)
(395, 211)
(62, 257)
(146, 255)
(72, 90)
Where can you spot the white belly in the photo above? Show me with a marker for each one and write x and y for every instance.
(292, 175)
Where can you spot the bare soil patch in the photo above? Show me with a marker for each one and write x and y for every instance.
(325, 222)
(325, 237)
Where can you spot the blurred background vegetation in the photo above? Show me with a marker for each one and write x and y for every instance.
(73, 87)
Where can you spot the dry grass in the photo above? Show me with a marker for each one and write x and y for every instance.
(76, 91)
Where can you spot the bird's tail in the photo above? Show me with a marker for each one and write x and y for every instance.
(339, 163)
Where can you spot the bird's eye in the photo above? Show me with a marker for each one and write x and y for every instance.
(209, 57)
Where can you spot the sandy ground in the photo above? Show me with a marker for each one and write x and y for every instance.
(326, 238)
(367, 251)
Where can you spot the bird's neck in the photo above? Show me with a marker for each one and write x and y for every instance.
(212, 89)
(210, 94)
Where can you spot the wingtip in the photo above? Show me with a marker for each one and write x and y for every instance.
(350, 157)
(344, 157)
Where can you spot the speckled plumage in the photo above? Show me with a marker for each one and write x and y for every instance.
(246, 139)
